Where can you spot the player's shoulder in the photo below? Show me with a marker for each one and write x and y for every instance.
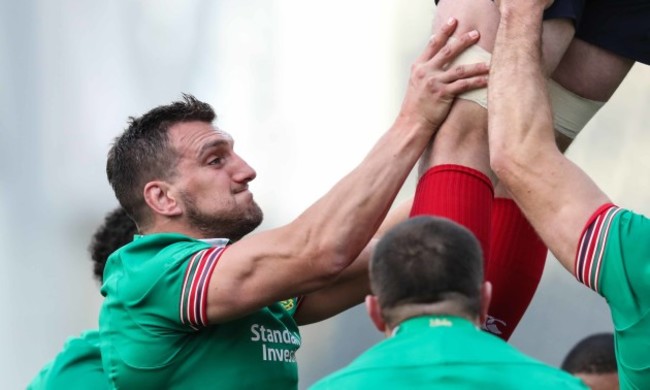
(526, 369)
(138, 266)
(346, 378)
(156, 250)
(166, 245)
(89, 340)
(366, 369)
(77, 365)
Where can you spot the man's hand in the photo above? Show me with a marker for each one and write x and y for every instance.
(433, 85)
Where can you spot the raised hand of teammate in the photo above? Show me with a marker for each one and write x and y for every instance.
(433, 84)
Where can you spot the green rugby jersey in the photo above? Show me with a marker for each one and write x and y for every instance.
(77, 366)
(154, 328)
(613, 259)
(445, 352)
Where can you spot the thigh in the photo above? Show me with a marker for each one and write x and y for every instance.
(560, 21)
(590, 71)
(481, 15)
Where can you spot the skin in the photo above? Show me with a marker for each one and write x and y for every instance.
(582, 68)
(313, 252)
(210, 177)
(350, 288)
(556, 196)
(375, 311)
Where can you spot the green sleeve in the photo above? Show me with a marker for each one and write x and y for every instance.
(625, 283)
(169, 290)
(625, 273)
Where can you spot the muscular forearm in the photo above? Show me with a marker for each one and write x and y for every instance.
(554, 194)
(334, 230)
(342, 222)
(518, 101)
(311, 252)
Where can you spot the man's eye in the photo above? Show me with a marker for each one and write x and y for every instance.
(216, 161)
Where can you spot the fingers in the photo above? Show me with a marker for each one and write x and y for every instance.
(438, 40)
(465, 71)
(453, 48)
(466, 84)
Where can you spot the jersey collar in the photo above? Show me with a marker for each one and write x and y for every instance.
(216, 242)
(418, 324)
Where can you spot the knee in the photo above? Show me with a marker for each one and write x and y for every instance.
(481, 15)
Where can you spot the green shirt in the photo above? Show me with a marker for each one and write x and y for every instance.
(613, 259)
(155, 333)
(77, 366)
(445, 352)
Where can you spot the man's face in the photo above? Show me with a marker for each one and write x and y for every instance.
(212, 182)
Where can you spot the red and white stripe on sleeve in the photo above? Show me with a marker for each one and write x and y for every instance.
(194, 293)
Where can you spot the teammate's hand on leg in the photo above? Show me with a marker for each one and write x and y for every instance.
(433, 85)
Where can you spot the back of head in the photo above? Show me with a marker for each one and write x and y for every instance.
(427, 260)
(143, 152)
(116, 231)
(592, 355)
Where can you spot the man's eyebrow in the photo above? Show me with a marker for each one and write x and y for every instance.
(212, 145)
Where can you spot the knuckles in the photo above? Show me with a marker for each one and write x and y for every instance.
(433, 86)
(418, 71)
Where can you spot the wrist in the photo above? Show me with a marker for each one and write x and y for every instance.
(518, 10)
(416, 122)
(518, 22)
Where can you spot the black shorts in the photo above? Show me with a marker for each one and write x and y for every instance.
(620, 26)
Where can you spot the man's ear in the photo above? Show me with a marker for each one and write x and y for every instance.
(486, 298)
(374, 311)
(160, 199)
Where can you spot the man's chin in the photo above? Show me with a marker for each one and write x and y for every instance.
(255, 216)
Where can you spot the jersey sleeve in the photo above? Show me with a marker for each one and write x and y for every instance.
(194, 291)
(171, 290)
(613, 259)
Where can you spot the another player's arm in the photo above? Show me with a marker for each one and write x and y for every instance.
(351, 287)
(309, 253)
(556, 196)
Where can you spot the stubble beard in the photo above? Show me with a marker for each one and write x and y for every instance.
(233, 224)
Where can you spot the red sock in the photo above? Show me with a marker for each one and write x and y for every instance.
(459, 193)
(514, 269)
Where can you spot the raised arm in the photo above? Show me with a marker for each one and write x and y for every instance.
(320, 244)
(556, 196)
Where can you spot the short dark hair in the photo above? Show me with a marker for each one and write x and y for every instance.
(427, 260)
(143, 153)
(592, 355)
(117, 230)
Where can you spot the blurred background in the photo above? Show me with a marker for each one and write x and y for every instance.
(304, 86)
